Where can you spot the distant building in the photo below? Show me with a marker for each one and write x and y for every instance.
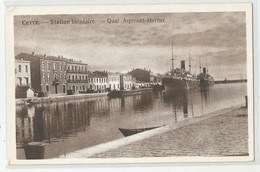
(113, 80)
(77, 76)
(97, 81)
(55, 75)
(24, 92)
(141, 75)
(126, 82)
(53, 71)
(22, 72)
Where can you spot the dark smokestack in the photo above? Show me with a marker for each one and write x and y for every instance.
(204, 70)
(183, 64)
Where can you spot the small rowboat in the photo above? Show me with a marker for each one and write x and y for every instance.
(129, 132)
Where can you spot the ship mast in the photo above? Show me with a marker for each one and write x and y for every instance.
(207, 67)
(172, 59)
(200, 64)
(189, 62)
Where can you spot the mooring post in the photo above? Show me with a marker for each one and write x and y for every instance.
(246, 101)
(35, 150)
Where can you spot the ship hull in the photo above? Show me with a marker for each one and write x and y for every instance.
(175, 83)
(206, 82)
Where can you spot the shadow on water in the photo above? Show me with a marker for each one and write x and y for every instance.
(73, 125)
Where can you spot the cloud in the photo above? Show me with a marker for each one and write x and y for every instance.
(217, 38)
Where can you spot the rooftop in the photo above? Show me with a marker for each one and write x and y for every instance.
(44, 56)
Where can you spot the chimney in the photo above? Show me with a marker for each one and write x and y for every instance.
(204, 70)
(44, 55)
(32, 53)
(183, 64)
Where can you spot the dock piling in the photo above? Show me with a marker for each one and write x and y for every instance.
(246, 102)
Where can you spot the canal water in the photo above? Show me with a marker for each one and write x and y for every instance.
(68, 126)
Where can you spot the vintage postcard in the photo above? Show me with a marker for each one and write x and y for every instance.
(129, 83)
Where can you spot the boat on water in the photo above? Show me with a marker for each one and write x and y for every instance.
(120, 93)
(205, 79)
(180, 79)
(129, 132)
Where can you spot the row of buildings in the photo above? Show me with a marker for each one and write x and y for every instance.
(57, 75)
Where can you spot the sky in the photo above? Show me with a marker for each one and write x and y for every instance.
(217, 39)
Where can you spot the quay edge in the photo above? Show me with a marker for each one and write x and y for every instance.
(38, 100)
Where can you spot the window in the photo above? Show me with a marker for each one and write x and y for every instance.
(61, 77)
(72, 77)
(47, 88)
(43, 66)
(82, 68)
(43, 78)
(69, 77)
(72, 67)
(48, 66)
(26, 68)
(20, 68)
(79, 77)
(55, 76)
(54, 66)
(26, 81)
(48, 76)
(20, 81)
(60, 66)
(64, 76)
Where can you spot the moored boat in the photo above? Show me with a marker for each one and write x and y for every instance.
(205, 79)
(129, 132)
(180, 79)
(117, 93)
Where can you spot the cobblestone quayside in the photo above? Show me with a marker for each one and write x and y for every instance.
(222, 135)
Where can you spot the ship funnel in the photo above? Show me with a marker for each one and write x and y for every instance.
(204, 70)
(183, 64)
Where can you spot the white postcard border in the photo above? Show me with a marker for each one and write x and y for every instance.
(11, 11)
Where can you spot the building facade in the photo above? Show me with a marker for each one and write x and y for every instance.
(77, 76)
(97, 82)
(113, 80)
(55, 75)
(22, 72)
(127, 82)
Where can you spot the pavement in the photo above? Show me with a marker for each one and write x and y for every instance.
(223, 134)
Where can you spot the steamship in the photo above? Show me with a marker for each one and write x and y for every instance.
(180, 79)
(205, 79)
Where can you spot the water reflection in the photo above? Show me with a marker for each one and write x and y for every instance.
(77, 124)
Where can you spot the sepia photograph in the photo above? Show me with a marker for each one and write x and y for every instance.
(131, 85)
